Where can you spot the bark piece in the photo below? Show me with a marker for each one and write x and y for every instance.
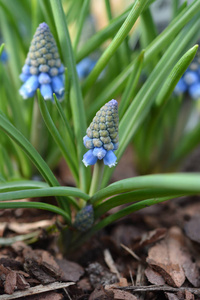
(166, 258)
(192, 228)
(22, 284)
(70, 271)
(10, 282)
(11, 263)
(36, 271)
(44, 260)
(154, 277)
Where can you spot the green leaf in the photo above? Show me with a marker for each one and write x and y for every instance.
(188, 142)
(21, 185)
(68, 130)
(126, 211)
(57, 137)
(180, 182)
(37, 205)
(111, 90)
(78, 112)
(135, 196)
(129, 91)
(116, 42)
(1, 48)
(174, 76)
(26, 146)
(101, 36)
(82, 16)
(43, 192)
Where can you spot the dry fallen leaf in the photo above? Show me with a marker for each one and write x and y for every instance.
(152, 236)
(70, 271)
(166, 258)
(100, 294)
(171, 296)
(123, 295)
(154, 277)
(192, 228)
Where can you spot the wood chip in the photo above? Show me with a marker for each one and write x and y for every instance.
(35, 270)
(37, 290)
(10, 282)
(22, 284)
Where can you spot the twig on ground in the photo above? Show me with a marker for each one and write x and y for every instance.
(37, 290)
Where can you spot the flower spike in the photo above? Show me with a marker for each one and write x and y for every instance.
(102, 136)
(84, 218)
(43, 68)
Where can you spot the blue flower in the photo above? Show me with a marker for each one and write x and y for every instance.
(84, 218)
(43, 68)
(102, 136)
(4, 56)
(190, 81)
(84, 67)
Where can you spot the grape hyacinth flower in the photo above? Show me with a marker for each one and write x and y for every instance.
(4, 57)
(102, 136)
(43, 68)
(84, 67)
(190, 81)
(84, 218)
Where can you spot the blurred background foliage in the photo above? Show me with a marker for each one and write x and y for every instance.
(167, 126)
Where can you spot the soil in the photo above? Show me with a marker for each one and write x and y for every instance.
(151, 254)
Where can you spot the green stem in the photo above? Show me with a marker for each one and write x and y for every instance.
(38, 136)
(108, 10)
(96, 178)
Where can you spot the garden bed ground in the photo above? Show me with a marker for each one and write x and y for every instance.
(152, 254)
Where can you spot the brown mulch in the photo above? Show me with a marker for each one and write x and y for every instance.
(157, 258)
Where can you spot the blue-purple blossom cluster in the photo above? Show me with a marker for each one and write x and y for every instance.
(102, 136)
(4, 56)
(43, 68)
(84, 67)
(190, 81)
